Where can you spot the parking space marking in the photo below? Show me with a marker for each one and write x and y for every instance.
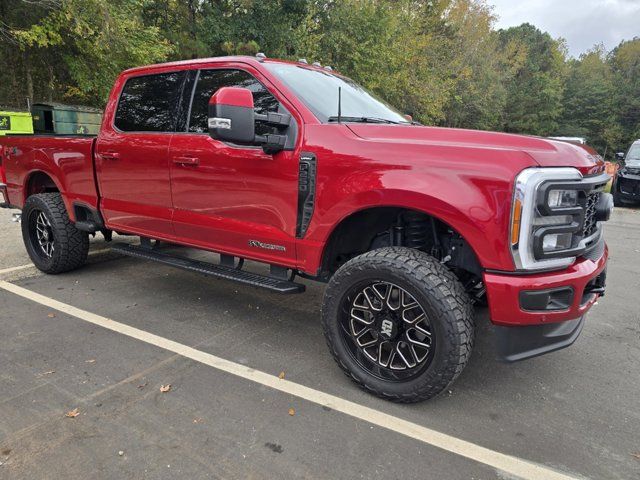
(16, 269)
(31, 265)
(503, 462)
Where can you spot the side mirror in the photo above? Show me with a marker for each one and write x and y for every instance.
(620, 156)
(231, 116)
(232, 119)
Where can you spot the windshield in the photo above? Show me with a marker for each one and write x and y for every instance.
(633, 157)
(319, 91)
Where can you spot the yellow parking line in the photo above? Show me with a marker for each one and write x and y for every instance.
(506, 463)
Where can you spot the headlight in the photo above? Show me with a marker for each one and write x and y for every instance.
(545, 220)
(562, 198)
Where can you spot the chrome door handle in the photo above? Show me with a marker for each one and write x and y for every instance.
(110, 156)
(186, 161)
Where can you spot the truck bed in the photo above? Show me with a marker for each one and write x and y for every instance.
(32, 162)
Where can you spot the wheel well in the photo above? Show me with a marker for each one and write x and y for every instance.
(393, 226)
(39, 182)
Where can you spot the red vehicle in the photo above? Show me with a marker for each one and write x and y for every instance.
(297, 166)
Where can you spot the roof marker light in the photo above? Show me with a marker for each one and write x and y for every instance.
(303, 60)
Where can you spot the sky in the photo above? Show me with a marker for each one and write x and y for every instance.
(582, 23)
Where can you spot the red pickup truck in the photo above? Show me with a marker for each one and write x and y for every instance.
(297, 166)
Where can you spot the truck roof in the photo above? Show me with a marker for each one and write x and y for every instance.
(236, 58)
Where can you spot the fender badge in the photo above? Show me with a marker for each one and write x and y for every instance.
(267, 246)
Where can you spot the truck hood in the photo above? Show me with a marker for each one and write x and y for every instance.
(545, 152)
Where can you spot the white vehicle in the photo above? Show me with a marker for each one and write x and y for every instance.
(576, 140)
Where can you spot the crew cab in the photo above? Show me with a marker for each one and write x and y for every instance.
(299, 167)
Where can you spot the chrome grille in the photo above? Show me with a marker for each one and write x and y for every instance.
(590, 222)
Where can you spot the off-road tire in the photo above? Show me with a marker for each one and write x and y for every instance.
(442, 297)
(70, 245)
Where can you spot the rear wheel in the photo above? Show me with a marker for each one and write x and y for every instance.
(54, 244)
(398, 323)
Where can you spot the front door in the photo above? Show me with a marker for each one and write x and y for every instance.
(132, 156)
(232, 198)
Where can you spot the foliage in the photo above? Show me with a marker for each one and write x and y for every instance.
(534, 92)
(442, 61)
(93, 41)
(588, 92)
(625, 62)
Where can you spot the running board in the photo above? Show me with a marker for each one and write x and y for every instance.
(209, 269)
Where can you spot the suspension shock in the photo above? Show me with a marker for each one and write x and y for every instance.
(416, 234)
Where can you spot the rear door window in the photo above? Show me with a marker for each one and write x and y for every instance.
(209, 81)
(149, 103)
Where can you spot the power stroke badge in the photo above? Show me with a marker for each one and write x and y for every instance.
(267, 246)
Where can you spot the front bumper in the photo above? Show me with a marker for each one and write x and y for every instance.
(503, 293)
(519, 343)
(628, 186)
(526, 326)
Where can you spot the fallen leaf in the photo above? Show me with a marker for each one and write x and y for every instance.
(142, 385)
(197, 420)
(51, 315)
(636, 455)
(281, 376)
(46, 373)
(292, 412)
(73, 413)
(165, 388)
(93, 360)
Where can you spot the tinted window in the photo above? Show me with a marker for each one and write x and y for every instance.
(211, 80)
(148, 104)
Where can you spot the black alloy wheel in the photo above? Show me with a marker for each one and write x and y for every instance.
(387, 331)
(52, 241)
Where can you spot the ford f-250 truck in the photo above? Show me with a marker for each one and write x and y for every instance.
(297, 166)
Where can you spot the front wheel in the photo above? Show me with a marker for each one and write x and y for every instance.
(54, 244)
(398, 323)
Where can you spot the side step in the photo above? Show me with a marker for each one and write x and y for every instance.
(87, 226)
(209, 269)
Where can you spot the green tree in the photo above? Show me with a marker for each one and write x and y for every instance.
(27, 72)
(396, 49)
(441, 61)
(588, 109)
(625, 63)
(479, 67)
(534, 92)
(245, 26)
(95, 40)
(179, 23)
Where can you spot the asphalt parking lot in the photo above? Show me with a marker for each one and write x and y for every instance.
(106, 338)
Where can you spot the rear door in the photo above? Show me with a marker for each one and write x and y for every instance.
(233, 198)
(132, 155)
